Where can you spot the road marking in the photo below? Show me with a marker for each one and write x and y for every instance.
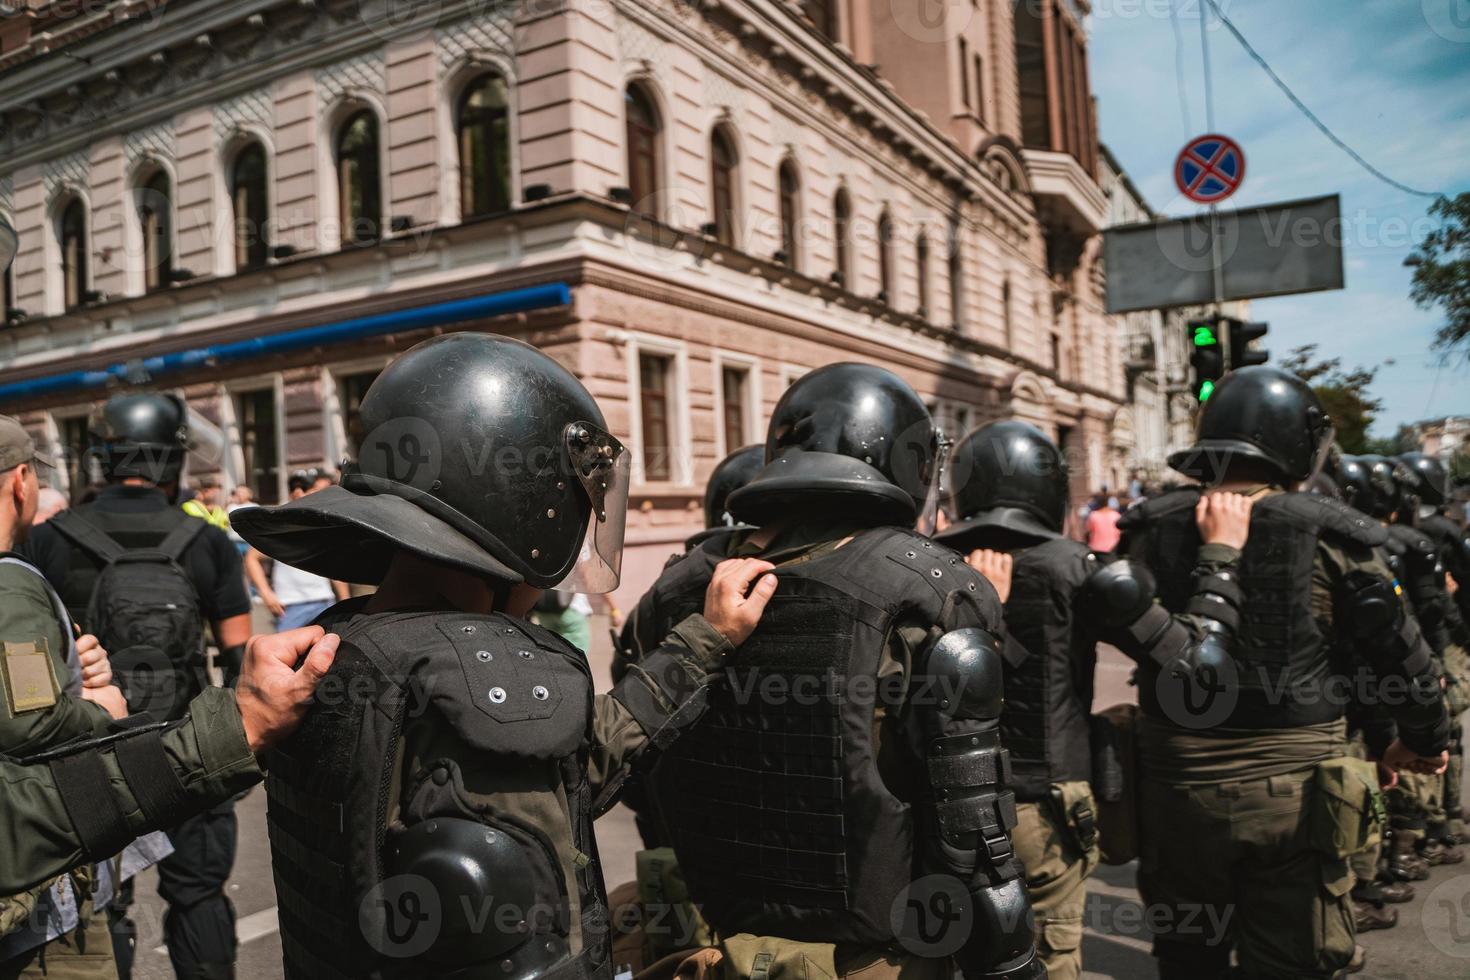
(252, 927)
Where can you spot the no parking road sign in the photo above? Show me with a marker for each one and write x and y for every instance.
(1209, 169)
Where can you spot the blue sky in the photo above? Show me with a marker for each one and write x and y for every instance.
(1390, 77)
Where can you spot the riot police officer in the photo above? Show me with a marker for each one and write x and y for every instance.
(433, 816)
(849, 780)
(1428, 486)
(1236, 760)
(1009, 494)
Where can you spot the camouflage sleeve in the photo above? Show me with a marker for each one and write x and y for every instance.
(661, 694)
(86, 801)
(35, 712)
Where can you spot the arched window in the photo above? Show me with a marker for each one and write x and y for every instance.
(956, 280)
(790, 186)
(248, 195)
(1005, 312)
(885, 257)
(921, 263)
(841, 232)
(72, 235)
(359, 181)
(723, 162)
(644, 165)
(155, 218)
(484, 147)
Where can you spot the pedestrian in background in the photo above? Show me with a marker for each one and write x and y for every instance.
(294, 597)
(1102, 525)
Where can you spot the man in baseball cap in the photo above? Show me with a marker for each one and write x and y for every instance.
(19, 490)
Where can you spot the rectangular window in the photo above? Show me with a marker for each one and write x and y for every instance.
(734, 383)
(255, 413)
(1031, 70)
(350, 392)
(965, 73)
(74, 443)
(653, 399)
(980, 87)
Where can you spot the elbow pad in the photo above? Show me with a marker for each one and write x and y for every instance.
(1373, 615)
(973, 812)
(1119, 598)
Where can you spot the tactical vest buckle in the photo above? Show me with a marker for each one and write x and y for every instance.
(1086, 823)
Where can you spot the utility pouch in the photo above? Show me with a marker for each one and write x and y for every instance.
(1079, 815)
(1117, 788)
(1347, 812)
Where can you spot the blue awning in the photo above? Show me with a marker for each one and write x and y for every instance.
(417, 318)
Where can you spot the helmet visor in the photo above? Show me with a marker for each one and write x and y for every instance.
(929, 515)
(603, 466)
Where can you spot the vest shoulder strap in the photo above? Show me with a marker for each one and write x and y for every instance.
(1330, 518)
(177, 541)
(88, 536)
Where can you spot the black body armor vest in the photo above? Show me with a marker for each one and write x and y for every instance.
(773, 801)
(1050, 660)
(1278, 649)
(452, 888)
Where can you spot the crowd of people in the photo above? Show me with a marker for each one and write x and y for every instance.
(855, 717)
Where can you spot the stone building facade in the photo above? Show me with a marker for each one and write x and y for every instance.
(725, 194)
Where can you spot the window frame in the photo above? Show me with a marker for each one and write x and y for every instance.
(156, 268)
(334, 418)
(60, 211)
(922, 273)
(887, 277)
(246, 144)
(680, 462)
(347, 116)
(230, 423)
(505, 115)
(720, 361)
(842, 236)
(653, 136)
(726, 220)
(788, 206)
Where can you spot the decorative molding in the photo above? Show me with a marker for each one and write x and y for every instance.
(364, 73)
(255, 108)
(638, 45)
(74, 168)
(7, 195)
(156, 140)
(719, 90)
(491, 32)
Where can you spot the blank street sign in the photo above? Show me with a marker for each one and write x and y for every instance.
(1272, 250)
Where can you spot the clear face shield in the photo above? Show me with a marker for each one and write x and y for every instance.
(1325, 443)
(603, 466)
(929, 516)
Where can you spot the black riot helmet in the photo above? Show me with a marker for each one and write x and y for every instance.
(1010, 477)
(141, 435)
(1387, 489)
(732, 473)
(848, 439)
(1262, 416)
(480, 452)
(1426, 477)
(1356, 483)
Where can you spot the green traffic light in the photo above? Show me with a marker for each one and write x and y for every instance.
(1206, 389)
(1204, 336)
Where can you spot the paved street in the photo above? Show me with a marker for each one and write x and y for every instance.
(1115, 946)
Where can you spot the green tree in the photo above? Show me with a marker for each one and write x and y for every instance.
(1441, 267)
(1344, 394)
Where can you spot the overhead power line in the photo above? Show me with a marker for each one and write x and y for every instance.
(1312, 116)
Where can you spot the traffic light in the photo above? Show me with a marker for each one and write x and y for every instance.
(1241, 335)
(1207, 356)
